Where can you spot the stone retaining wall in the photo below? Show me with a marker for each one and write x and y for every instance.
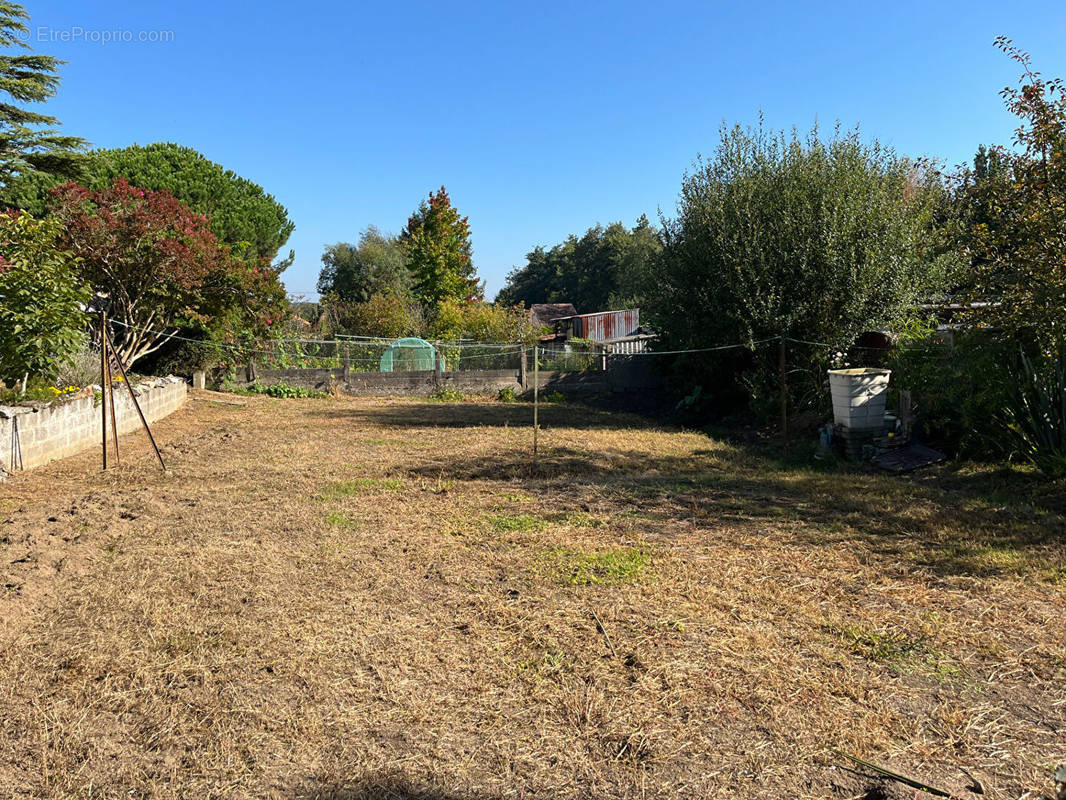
(62, 428)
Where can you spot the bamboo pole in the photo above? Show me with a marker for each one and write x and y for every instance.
(103, 386)
(136, 405)
(111, 401)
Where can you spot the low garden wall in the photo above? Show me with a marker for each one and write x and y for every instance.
(403, 384)
(34, 435)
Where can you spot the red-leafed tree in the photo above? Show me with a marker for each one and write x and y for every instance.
(162, 268)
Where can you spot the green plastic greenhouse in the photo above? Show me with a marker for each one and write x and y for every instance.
(411, 354)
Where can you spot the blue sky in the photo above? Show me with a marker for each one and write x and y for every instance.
(542, 119)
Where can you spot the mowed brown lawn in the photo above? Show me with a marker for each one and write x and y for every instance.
(382, 598)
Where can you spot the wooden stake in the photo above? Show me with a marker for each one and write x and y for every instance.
(103, 386)
(536, 397)
(111, 401)
(136, 405)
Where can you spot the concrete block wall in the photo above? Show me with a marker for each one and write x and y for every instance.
(394, 384)
(61, 429)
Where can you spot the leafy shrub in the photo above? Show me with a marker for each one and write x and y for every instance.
(36, 391)
(959, 391)
(1037, 412)
(41, 298)
(281, 390)
(810, 237)
(448, 395)
(507, 395)
(81, 369)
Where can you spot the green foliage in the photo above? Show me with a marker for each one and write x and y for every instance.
(163, 269)
(481, 322)
(36, 391)
(959, 390)
(814, 239)
(436, 242)
(29, 143)
(507, 395)
(447, 394)
(41, 297)
(1037, 412)
(240, 213)
(375, 266)
(280, 390)
(388, 316)
(606, 267)
(1013, 212)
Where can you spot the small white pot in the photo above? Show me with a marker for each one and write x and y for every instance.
(859, 397)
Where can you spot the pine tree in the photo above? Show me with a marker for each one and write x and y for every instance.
(436, 242)
(29, 141)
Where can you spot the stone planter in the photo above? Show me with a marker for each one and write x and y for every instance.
(859, 397)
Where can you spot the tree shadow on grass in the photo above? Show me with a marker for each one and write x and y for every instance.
(479, 415)
(942, 521)
(377, 789)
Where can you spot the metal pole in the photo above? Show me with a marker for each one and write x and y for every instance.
(784, 389)
(103, 386)
(133, 397)
(536, 396)
(111, 402)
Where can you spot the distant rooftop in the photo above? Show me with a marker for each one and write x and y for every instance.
(547, 313)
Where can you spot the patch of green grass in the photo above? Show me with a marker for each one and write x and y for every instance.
(507, 523)
(1002, 557)
(340, 520)
(579, 519)
(883, 646)
(551, 662)
(1056, 576)
(901, 652)
(578, 568)
(359, 485)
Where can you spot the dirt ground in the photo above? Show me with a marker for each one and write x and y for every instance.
(383, 598)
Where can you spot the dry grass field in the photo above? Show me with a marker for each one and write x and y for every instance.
(382, 598)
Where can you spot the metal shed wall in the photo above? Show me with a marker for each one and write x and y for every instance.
(607, 325)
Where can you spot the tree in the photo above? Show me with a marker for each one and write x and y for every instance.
(482, 322)
(163, 270)
(375, 266)
(807, 238)
(1015, 214)
(606, 267)
(388, 316)
(41, 297)
(29, 142)
(240, 213)
(436, 243)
